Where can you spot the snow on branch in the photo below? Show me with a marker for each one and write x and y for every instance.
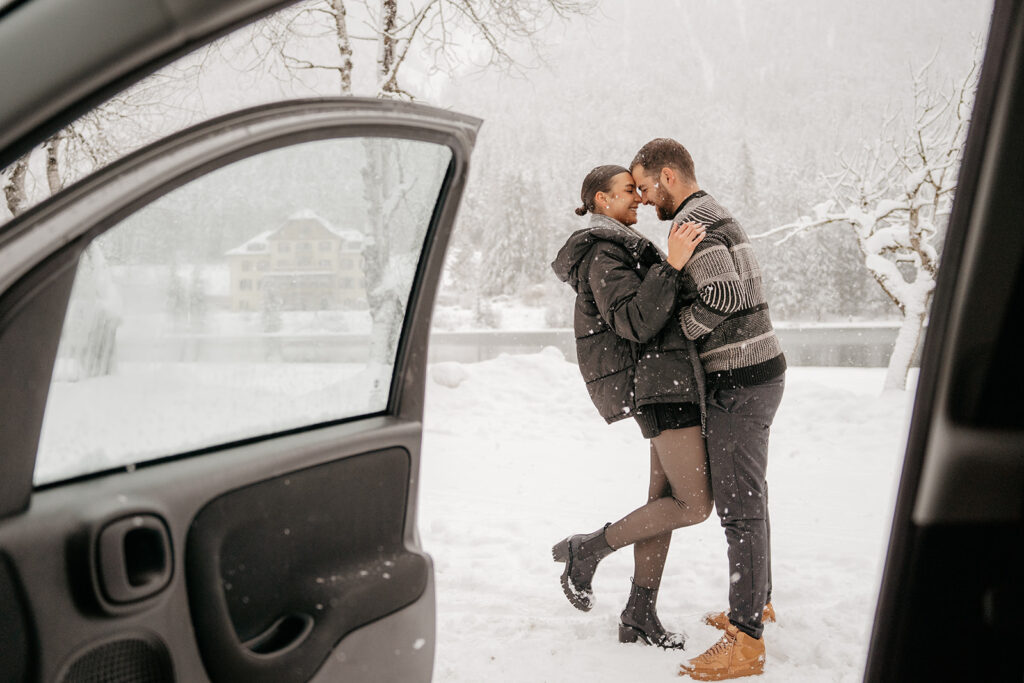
(894, 194)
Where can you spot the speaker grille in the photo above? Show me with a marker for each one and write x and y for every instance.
(129, 660)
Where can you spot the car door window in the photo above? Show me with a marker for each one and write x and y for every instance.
(257, 298)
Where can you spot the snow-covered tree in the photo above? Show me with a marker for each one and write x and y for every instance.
(895, 194)
(270, 315)
(88, 339)
(94, 312)
(198, 302)
(176, 292)
(517, 254)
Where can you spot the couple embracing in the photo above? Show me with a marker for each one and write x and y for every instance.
(683, 344)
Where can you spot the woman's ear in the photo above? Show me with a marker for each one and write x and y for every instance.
(600, 199)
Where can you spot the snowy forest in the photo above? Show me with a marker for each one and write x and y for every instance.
(804, 118)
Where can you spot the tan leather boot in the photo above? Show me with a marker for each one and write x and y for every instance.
(720, 620)
(735, 654)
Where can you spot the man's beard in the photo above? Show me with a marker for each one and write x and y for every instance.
(665, 212)
(664, 206)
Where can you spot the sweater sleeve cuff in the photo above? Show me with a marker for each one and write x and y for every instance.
(691, 328)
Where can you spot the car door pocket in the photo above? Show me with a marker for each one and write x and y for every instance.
(133, 558)
(285, 634)
(280, 571)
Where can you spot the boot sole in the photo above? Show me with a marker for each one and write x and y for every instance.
(721, 676)
(752, 670)
(560, 553)
(630, 634)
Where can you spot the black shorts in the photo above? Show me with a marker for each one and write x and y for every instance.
(654, 418)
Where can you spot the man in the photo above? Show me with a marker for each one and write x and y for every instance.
(745, 371)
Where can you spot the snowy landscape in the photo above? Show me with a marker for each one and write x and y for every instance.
(515, 458)
(832, 131)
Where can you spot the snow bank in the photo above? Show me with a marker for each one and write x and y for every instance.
(449, 375)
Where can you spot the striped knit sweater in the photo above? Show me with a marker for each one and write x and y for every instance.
(729, 320)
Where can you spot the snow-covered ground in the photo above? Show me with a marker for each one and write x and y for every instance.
(515, 458)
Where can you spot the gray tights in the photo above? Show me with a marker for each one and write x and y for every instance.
(679, 495)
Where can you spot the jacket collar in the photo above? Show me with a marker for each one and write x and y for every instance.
(696, 195)
(605, 227)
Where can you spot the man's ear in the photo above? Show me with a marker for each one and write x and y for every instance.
(668, 176)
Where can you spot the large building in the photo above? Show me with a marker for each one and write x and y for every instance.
(303, 264)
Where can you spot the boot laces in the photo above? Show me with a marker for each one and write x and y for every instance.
(719, 648)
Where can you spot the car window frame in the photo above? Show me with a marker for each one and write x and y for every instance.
(45, 242)
(86, 73)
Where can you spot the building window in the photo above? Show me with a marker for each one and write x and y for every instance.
(284, 246)
(262, 265)
(324, 246)
(346, 283)
(347, 263)
(246, 265)
(305, 246)
(245, 285)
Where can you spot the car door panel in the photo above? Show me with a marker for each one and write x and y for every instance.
(138, 568)
(337, 562)
(56, 546)
(29, 331)
(15, 634)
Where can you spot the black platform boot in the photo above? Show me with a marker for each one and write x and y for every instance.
(581, 554)
(639, 621)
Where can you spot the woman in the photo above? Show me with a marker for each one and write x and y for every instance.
(636, 363)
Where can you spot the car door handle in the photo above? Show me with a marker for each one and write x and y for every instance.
(284, 635)
(134, 558)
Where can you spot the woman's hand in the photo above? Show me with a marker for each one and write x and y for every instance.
(682, 240)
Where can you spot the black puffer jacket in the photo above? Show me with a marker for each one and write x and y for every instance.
(630, 350)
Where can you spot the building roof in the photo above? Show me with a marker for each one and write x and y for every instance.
(256, 245)
(298, 220)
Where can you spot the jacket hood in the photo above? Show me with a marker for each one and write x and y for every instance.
(601, 229)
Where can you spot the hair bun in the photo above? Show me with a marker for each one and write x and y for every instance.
(581, 211)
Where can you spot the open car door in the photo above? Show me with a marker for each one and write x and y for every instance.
(213, 354)
(953, 589)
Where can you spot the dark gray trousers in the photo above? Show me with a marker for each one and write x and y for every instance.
(738, 423)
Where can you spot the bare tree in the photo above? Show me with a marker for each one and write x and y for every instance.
(437, 28)
(127, 121)
(896, 196)
(13, 180)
